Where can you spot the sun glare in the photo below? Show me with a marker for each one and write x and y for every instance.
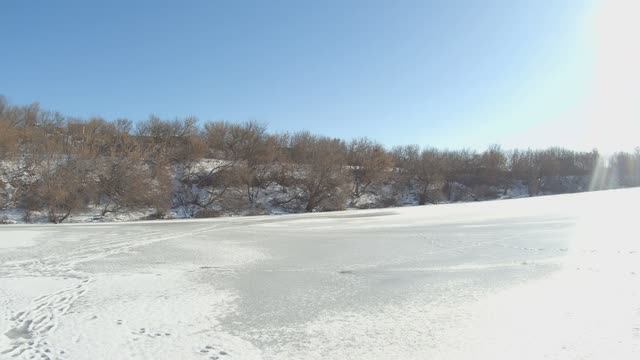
(613, 111)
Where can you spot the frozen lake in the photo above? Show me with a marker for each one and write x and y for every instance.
(551, 277)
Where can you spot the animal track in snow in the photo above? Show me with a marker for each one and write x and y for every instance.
(213, 352)
(31, 326)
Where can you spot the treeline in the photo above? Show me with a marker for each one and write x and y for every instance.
(57, 165)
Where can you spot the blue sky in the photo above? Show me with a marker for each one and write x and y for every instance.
(443, 73)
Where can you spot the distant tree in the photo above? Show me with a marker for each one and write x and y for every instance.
(123, 183)
(369, 165)
(626, 168)
(242, 154)
(457, 166)
(8, 139)
(4, 197)
(204, 188)
(493, 166)
(170, 141)
(319, 175)
(61, 189)
(253, 154)
(425, 170)
(57, 165)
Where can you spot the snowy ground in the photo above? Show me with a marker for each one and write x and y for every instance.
(553, 277)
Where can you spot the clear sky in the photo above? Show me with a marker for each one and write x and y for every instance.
(443, 73)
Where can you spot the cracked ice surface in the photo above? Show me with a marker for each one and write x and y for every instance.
(553, 277)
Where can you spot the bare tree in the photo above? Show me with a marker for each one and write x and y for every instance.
(423, 170)
(169, 141)
(626, 168)
(123, 182)
(202, 189)
(4, 196)
(455, 171)
(248, 150)
(369, 165)
(9, 134)
(59, 165)
(319, 174)
(61, 190)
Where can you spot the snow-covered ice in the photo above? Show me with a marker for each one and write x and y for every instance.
(553, 277)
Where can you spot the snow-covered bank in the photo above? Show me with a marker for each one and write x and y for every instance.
(549, 277)
(187, 195)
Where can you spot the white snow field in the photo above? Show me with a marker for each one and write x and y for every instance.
(554, 277)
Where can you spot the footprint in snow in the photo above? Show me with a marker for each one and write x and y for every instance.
(210, 348)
